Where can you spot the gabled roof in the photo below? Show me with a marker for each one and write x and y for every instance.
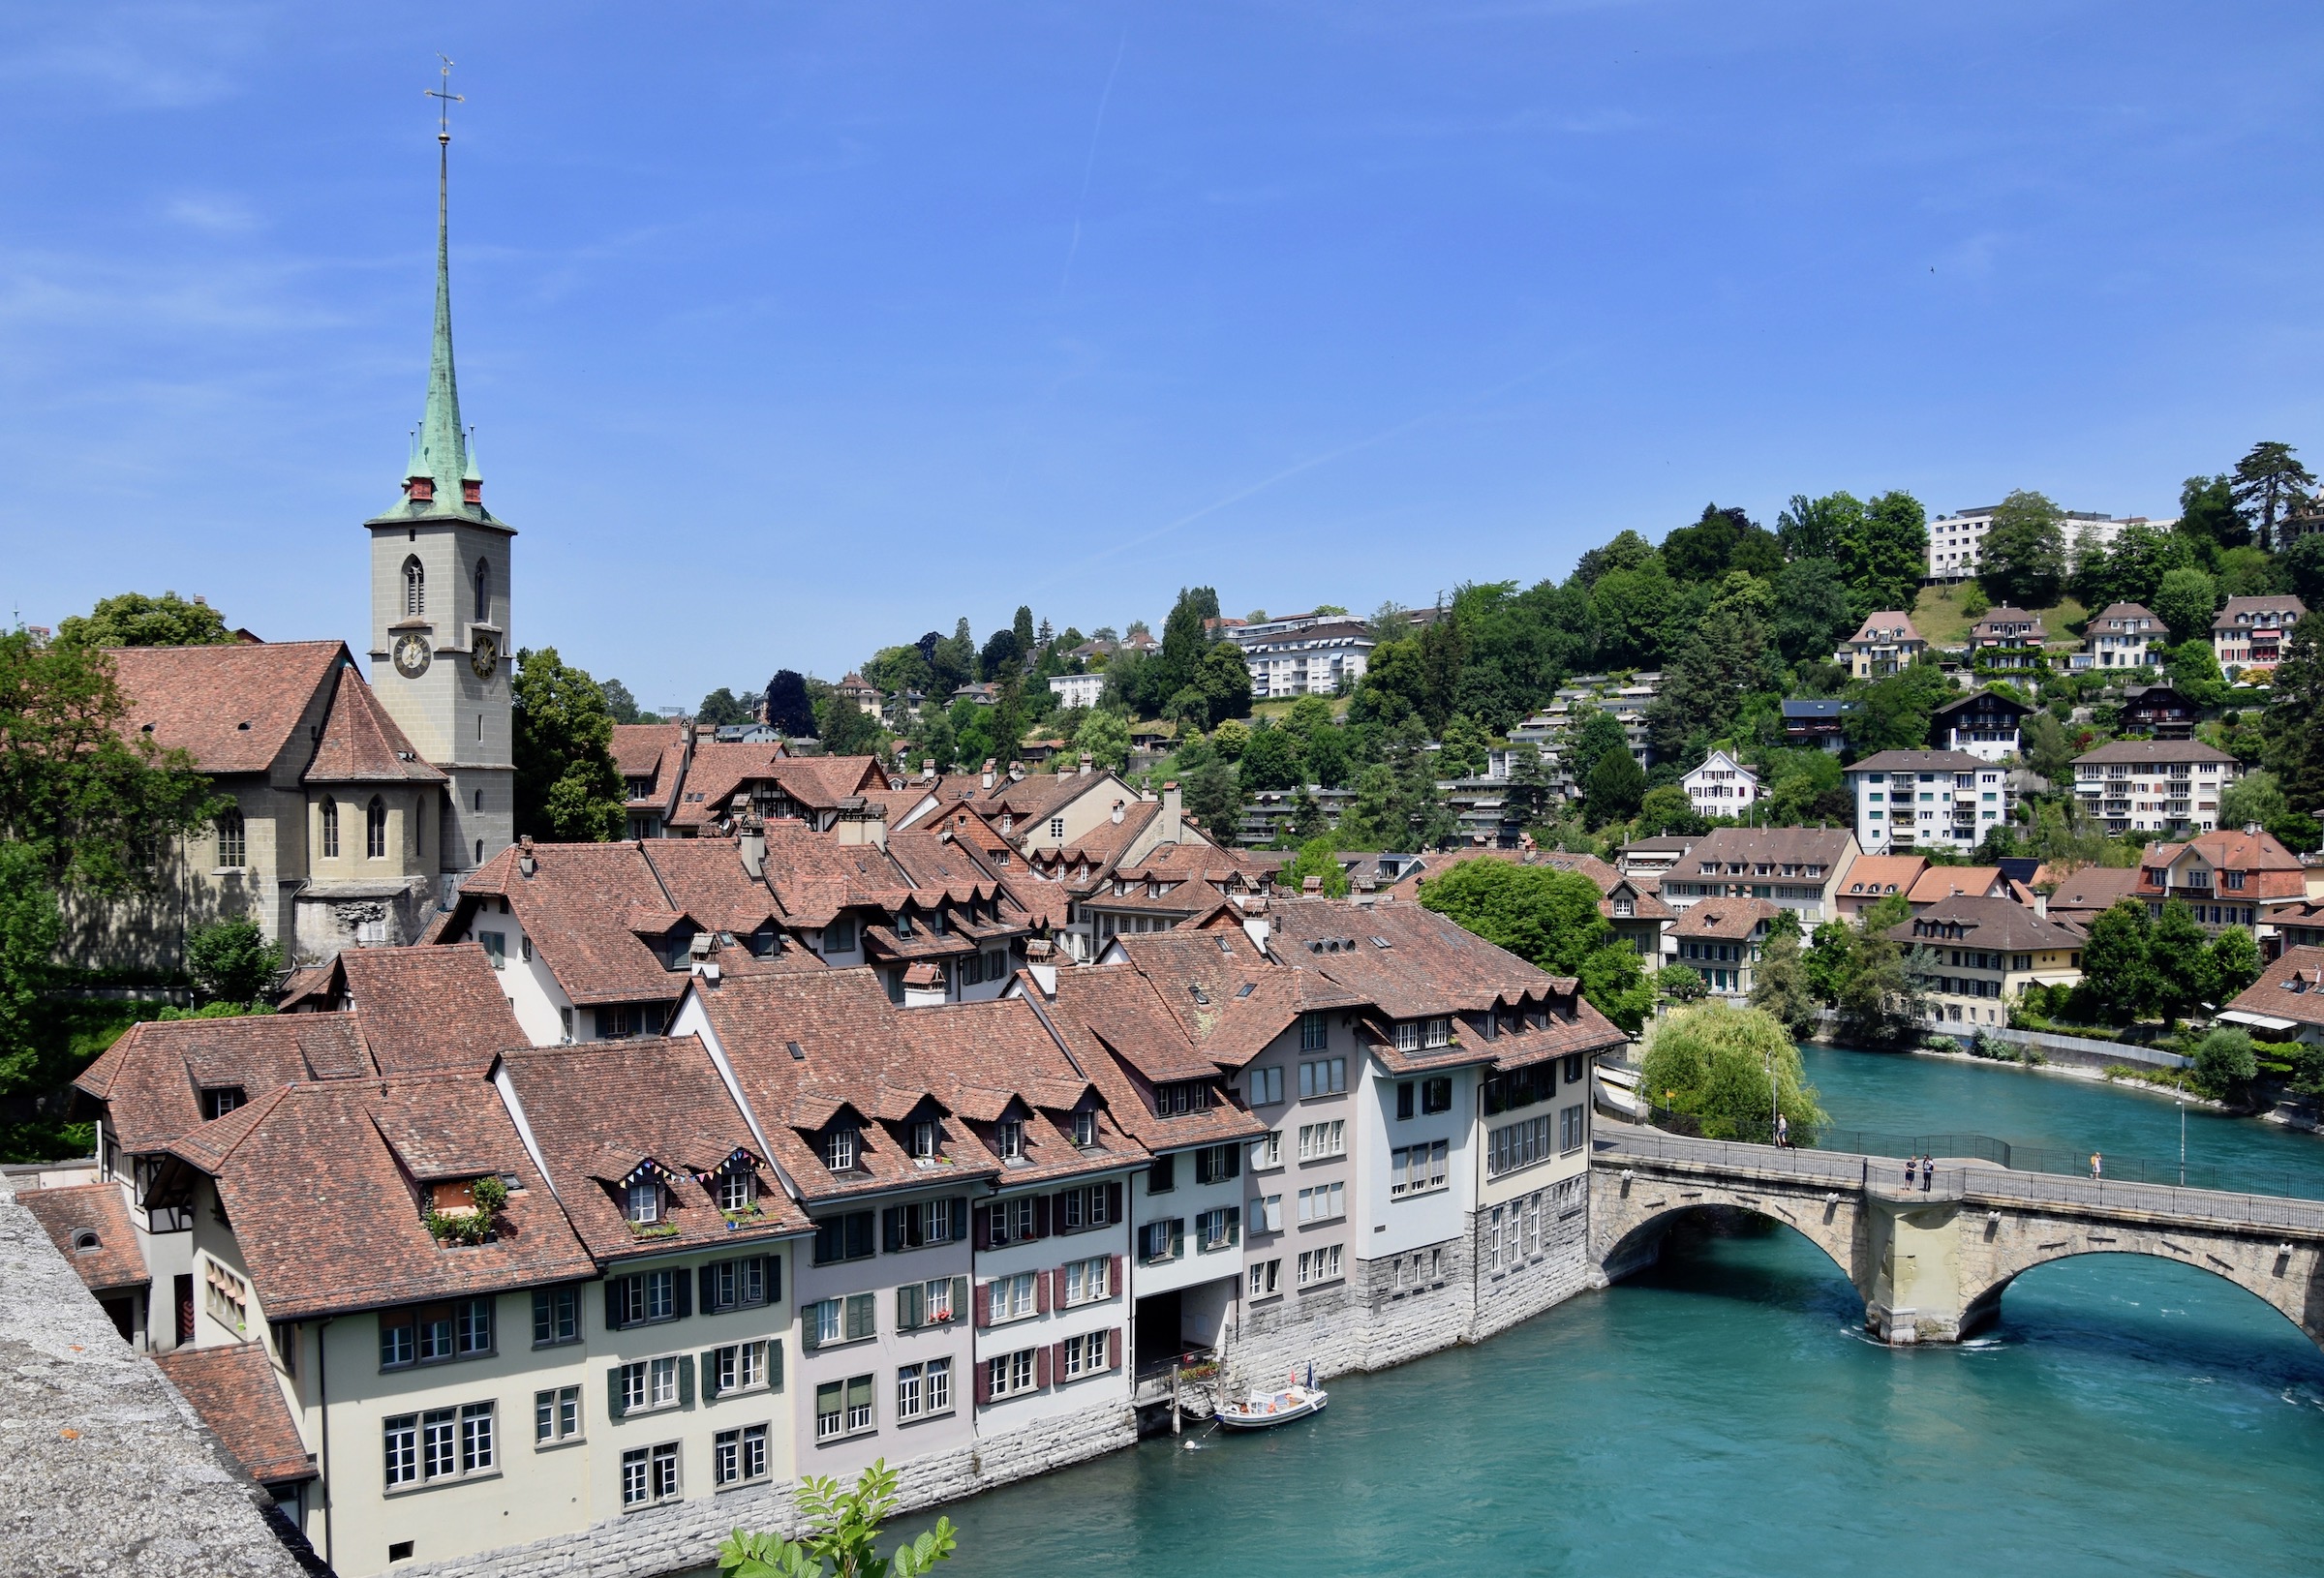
(599, 1109)
(237, 707)
(1877, 875)
(361, 743)
(327, 1220)
(2225, 619)
(1944, 881)
(1128, 1040)
(1722, 847)
(98, 1211)
(1921, 761)
(2092, 889)
(2230, 849)
(233, 1387)
(2139, 752)
(637, 748)
(2115, 616)
(1888, 625)
(589, 909)
(1991, 923)
(1982, 701)
(421, 1009)
(2289, 992)
(1725, 919)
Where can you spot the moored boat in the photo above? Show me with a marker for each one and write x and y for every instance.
(1263, 1409)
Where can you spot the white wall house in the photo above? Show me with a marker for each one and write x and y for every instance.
(1077, 689)
(1926, 799)
(1316, 660)
(1721, 786)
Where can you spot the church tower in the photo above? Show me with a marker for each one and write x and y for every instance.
(441, 589)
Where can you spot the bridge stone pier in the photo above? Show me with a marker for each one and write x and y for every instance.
(1931, 1263)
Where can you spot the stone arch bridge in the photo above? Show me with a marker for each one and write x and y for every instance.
(1931, 1264)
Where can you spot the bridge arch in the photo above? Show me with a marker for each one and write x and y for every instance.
(2286, 1275)
(1631, 1216)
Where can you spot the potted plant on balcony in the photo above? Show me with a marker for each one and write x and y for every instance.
(474, 1226)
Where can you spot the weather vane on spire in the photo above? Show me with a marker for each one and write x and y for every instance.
(445, 98)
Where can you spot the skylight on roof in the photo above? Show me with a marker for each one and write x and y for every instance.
(797, 1052)
(1201, 996)
(1382, 942)
(1225, 947)
(1246, 988)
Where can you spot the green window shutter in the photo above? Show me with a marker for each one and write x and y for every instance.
(1177, 1236)
(811, 1326)
(686, 1380)
(710, 1374)
(960, 1298)
(862, 1315)
(613, 1393)
(775, 1364)
(1233, 1224)
(907, 1306)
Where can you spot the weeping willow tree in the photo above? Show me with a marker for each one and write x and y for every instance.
(1714, 1063)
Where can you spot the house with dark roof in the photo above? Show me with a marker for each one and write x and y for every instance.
(1800, 868)
(1721, 939)
(1813, 724)
(1985, 725)
(1975, 955)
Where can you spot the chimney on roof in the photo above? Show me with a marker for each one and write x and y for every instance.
(1117, 814)
(988, 772)
(524, 861)
(1015, 772)
(751, 840)
(927, 768)
(1088, 761)
(2252, 828)
(1171, 826)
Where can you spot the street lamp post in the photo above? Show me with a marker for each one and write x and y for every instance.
(2180, 1092)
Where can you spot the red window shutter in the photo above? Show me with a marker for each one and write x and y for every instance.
(1041, 1292)
(1041, 1367)
(1114, 1287)
(984, 1226)
(1055, 1353)
(1041, 1216)
(984, 1305)
(984, 1372)
(1113, 1349)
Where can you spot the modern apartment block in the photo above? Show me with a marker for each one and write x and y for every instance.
(1293, 658)
(2154, 785)
(1910, 800)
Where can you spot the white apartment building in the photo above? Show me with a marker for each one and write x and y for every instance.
(1721, 786)
(1956, 541)
(1926, 799)
(1077, 689)
(2154, 785)
(2124, 635)
(1311, 660)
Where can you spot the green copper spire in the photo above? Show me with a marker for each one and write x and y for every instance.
(443, 453)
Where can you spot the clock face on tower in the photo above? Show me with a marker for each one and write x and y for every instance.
(483, 654)
(411, 655)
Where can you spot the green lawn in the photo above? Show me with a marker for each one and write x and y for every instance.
(1936, 614)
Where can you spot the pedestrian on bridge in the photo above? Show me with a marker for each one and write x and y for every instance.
(1783, 1130)
(1909, 1165)
(1928, 1171)
(2097, 1167)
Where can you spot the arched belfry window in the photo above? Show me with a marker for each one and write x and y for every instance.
(483, 591)
(375, 829)
(330, 828)
(415, 589)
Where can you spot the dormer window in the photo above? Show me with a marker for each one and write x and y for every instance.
(1085, 1128)
(737, 1190)
(839, 1149)
(1008, 1139)
(904, 923)
(1181, 1097)
(645, 1202)
(924, 1141)
(217, 1102)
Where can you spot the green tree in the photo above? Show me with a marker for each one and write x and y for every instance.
(721, 707)
(1780, 986)
(568, 790)
(2224, 1065)
(1230, 738)
(2023, 561)
(2258, 797)
(2269, 482)
(1727, 1067)
(2295, 721)
(1551, 918)
(2207, 512)
(621, 705)
(2048, 750)
(1530, 791)
(1316, 859)
(898, 669)
(1883, 553)
(1812, 610)
(933, 741)
(2185, 602)
(1224, 678)
(1677, 983)
(1105, 735)
(1271, 758)
(1616, 786)
(1876, 985)
(133, 619)
(2180, 961)
(1665, 809)
(846, 729)
(1973, 602)
(1592, 733)
(1464, 749)
(950, 663)
(2234, 963)
(2303, 566)
(1892, 712)
(31, 1060)
(1210, 791)
(231, 962)
(1626, 552)
(2118, 962)
(843, 1531)
(90, 795)
(1813, 529)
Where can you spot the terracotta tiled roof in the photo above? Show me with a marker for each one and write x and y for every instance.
(2291, 988)
(97, 1211)
(325, 1219)
(1871, 876)
(1877, 626)
(2092, 889)
(705, 879)
(637, 748)
(361, 743)
(600, 1111)
(237, 709)
(424, 1009)
(1944, 881)
(581, 907)
(2225, 623)
(233, 1389)
(1989, 923)
(719, 769)
(1730, 920)
(1779, 847)
(151, 1080)
(1127, 1040)
(2105, 618)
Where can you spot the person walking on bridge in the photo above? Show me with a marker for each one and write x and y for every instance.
(2097, 1167)
(1783, 1130)
(1909, 1163)
(1928, 1171)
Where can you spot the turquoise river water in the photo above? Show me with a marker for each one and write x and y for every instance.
(1722, 1414)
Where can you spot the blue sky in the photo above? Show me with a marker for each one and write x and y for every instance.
(792, 330)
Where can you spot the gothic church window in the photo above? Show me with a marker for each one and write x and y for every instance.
(330, 828)
(483, 591)
(375, 829)
(233, 844)
(415, 589)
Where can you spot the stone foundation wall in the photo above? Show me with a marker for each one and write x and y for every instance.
(1549, 1275)
(685, 1537)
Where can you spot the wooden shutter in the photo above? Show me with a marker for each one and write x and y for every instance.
(1040, 1216)
(1177, 1236)
(960, 1298)
(1113, 1349)
(1114, 1267)
(983, 1309)
(1202, 1165)
(682, 1294)
(708, 1292)
(613, 1305)
(1055, 1353)
(862, 1315)
(710, 1374)
(984, 1379)
(686, 1380)
(774, 1277)
(984, 1226)
(960, 1217)
(891, 1229)
(1113, 1201)
(1233, 1224)
(614, 1407)
(1041, 1366)
(811, 1328)
(775, 1364)
(1229, 1160)
(909, 1303)
(1040, 1292)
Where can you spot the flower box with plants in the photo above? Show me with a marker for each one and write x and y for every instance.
(456, 1229)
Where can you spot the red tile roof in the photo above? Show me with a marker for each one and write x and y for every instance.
(637, 748)
(110, 1260)
(361, 743)
(232, 1387)
(237, 709)
(2291, 988)
(2092, 889)
(1727, 919)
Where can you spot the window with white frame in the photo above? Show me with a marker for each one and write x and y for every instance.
(924, 1390)
(1518, 1145)
(1086, 1206)
(1012, 1220)
(843, 1408)
(1574, 1127)
(1266, 1086)
(1009, 1375)
(1085, 1128)
(736, 1284)
(1218, 1228)
(744, 1367)
(1010, 1298)
(739, 1456)
(1408, 1035)
(1318, 1265)
(644, 1297)
(924, 1139)
(1263, 1278)
(556, 1415)
(458, 1442)
(1324, 1202)
(649, 1475)
(839, 1149)
(1267, 1151)
(1085, 1354)
(1008, 1139)
(1416, 1169)
(1088, 1281)
(831, 1322)
(737, 1190)
(1323, 1077)
(1436, 1032)
(1321, 1140)
(1266, 1213)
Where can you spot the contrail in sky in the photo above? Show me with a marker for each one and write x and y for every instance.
(1089, 164)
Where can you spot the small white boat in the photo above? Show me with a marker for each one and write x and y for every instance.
(1261, 1409)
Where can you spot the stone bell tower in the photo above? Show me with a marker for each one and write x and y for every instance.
(441, 591)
